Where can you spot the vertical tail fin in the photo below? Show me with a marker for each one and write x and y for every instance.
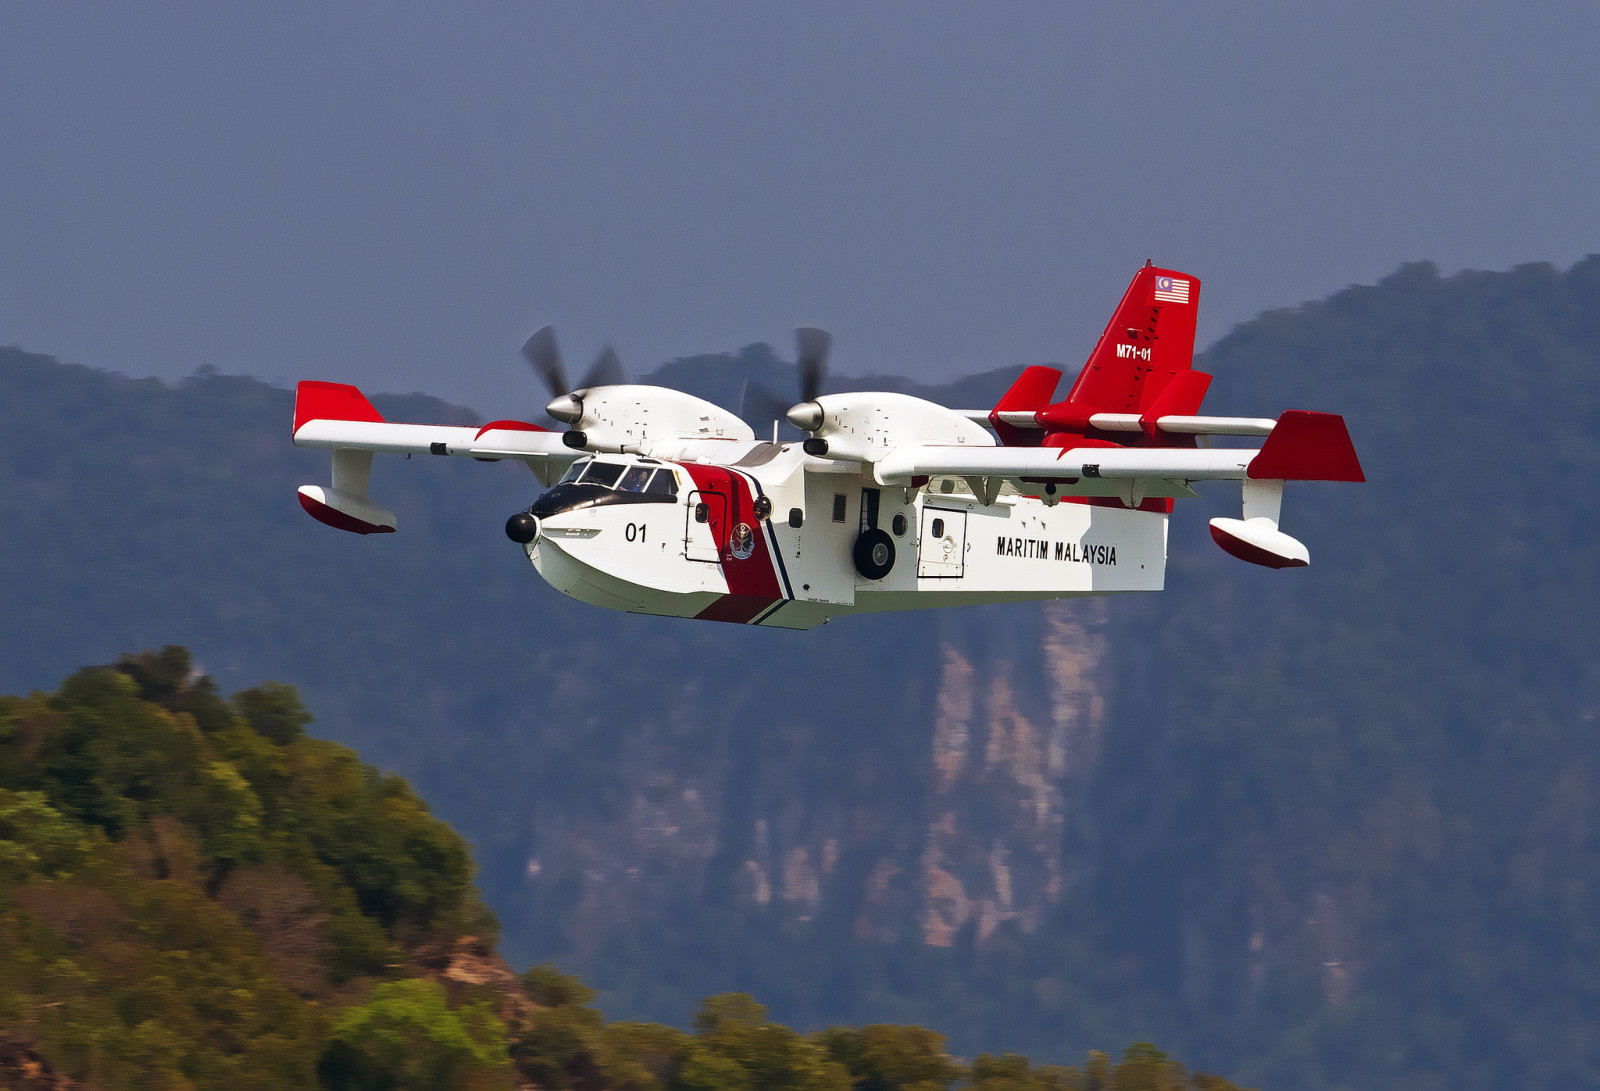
(1029, 394)
(1148, 341)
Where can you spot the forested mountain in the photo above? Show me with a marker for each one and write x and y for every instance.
(193, 893)
(1314, 828)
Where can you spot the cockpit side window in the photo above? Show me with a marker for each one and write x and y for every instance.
(602, 473)
(633, 479)
(574, 471)
(664, 483)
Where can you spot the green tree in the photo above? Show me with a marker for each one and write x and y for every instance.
(735, 1046)
(37, 839)
(408, 1038)
(273, 709)
(883, 1057)
(563, 1044)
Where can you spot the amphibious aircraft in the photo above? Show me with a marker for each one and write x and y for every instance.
(659, 502)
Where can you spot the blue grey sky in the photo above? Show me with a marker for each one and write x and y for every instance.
(395, 193)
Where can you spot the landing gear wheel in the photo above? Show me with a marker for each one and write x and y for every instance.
(874, 554)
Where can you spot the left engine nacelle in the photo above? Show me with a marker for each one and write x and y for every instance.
(624, 418)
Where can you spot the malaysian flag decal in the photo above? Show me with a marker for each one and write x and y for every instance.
(1172, 290)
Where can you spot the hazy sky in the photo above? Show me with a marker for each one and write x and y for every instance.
(395, 193)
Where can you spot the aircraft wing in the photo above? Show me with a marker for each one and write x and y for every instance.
(1179, 464)
(1301, 446)
(338, 417)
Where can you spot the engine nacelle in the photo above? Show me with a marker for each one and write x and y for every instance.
(617, 418)
(865, 427)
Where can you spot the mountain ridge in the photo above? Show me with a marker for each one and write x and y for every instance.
(1288, 817)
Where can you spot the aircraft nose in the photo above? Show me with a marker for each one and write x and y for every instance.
(523, 527)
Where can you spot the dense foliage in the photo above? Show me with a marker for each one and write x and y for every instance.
(195, 893)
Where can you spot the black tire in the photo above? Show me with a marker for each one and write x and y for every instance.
(874, 554)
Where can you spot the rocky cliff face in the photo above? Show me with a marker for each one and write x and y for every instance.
(938, 792)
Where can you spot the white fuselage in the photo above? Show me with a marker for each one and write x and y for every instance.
(760, 533)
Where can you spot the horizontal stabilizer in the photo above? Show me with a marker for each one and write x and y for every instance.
(1029, 394)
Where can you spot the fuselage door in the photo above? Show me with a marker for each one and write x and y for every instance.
(942, 545)
(706, 527)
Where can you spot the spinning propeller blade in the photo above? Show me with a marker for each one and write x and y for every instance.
(813, 345)
(813, 366)
(605, 371)
(759, 407)
(540, 351)
(758, 404)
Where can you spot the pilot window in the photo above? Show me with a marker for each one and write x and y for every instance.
(633, 479)
(663, 484)
(575, 471)
(839, 502)
(602, 473)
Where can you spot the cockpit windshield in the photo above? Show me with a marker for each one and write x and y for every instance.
(633, 479)
(650, 480)
(601, 473)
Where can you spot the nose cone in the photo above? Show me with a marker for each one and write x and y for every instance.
(522, 527)
(807, 416)
(566, 407)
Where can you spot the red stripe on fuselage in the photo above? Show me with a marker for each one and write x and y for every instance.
(753, 583)
(739, 609)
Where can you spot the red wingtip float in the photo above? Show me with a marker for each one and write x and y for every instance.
(667, 504)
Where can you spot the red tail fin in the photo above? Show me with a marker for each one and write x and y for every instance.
(1029, 394)
(1149, 339)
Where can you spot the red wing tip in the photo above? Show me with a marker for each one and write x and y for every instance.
(1308, 446)
(318, 400)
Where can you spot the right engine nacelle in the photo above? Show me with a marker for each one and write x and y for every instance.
(865, 427)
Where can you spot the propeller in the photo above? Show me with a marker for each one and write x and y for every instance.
(565, 405)
(758, 404)
(540, 351)
(813, 366)
(812, 360)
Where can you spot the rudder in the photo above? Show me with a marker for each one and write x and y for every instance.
(1148, 341)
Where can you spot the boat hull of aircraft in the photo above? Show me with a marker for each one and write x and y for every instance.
(939, 546)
